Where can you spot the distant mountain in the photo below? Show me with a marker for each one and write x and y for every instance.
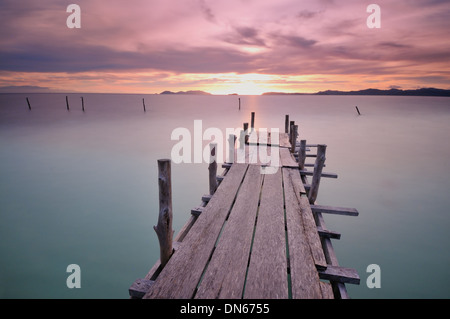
(187, 92)
(418, 92)
(283, 93)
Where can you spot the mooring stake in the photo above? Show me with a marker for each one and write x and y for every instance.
(164, 227)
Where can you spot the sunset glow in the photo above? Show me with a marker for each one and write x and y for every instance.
(223, 47)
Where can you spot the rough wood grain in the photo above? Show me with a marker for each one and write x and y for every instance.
(304, 277)
(335, 210)
(224, 277)
(267, 272)
(286, 158)
(309, 223)
(318, 166)
(180, 276)
(340, 274)
(164, 229)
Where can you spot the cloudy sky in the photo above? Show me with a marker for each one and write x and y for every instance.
(223, 46)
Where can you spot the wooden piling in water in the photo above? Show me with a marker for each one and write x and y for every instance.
(164, 227)
(29, 105)
(357, 110)
(291, 124)
(82, 104)
(246, 132)
(291, 132)
(212, 168)
(143, 103)
(253, 121)
(67, 103)
(302, 154)
(294, 138)
(318, 166)
(286, 124)
(231, 147)
(239, 104)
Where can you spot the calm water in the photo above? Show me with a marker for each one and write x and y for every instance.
(82, 188)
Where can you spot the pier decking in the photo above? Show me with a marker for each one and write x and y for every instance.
(256, 236)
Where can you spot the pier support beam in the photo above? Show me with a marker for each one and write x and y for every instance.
(286, 124)
(294, 137)
(318, 166)
(164, 228)
(302, 155)
(253, 121)
(212, 169)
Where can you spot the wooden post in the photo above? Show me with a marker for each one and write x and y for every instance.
(67, 103)
(291, 132)
(143, 103)
(291, 124)
(239, 104)
(212, 169)
(231, 148)
(164, 228)
(302, 154)
(242, 139)
(286, 124)
(82, 104)
(294, 138)
(246, 132)
(29, 105)
(318, 166)
(253, 121)
(357, 110)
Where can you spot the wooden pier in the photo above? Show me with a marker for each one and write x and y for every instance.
(259, 234)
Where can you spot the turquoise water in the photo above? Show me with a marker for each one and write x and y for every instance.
(81, 187)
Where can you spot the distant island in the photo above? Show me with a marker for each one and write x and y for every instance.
(391, 92)
(196, 92)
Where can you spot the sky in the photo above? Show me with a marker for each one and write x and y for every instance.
(223, 46)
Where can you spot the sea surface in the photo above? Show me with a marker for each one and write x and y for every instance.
(81, 187)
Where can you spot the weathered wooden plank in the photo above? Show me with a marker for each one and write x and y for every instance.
(140, 287)
(258, 154)
(175, 281)
(268, 138)
(311, 173)
(267, 272)
(328, 233)
(286, 158)
(206, 198)
(224, 277)
(304, 277)
(247, 154)
(312, 233)
(340, 274)
(196, 211)
(284, 140)
(335, 210)
(327, 290)
(309, 224)
(295, 178)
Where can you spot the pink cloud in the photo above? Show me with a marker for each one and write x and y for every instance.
(284, 37)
